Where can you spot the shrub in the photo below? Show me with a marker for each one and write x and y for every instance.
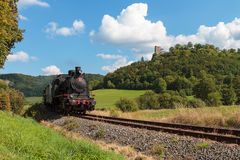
(148, 101)
(10, 99)
(195, 103)
(214, 99)
(228, 96)
(4, 100)
(16, 101)
(126, 105)
(166, 100)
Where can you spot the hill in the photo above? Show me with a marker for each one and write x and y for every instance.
(203, 71)
(34, 85)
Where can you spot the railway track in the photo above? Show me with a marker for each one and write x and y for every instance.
(216, 134)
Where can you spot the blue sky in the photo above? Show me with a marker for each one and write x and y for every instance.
(103, 36)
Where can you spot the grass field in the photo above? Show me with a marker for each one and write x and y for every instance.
(106, 98)
(32, 100)
(224, 116)
(22, 138)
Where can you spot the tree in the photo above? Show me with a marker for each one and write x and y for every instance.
(182, 84)
(204, 87)
(214, 99)
(228, 96)
(236, 84)
(110, 84)
(9, 31)
(159, 85)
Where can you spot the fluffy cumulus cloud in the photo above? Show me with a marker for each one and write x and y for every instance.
(27, 3)
(53, 29)
(132, 30)
(51, 70)
(119, 61)
(20, 56)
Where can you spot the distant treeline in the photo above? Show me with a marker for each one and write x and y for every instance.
(34, 85)
(202, 71)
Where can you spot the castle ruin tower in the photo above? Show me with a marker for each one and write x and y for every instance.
(157, 49)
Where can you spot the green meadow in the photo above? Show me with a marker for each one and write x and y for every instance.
(106, 98)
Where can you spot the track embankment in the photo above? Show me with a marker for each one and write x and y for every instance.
(216, 134)
(150, 142)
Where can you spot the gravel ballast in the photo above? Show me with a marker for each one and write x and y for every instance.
(158, 144)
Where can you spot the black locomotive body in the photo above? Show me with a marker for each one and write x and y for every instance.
(69, 93)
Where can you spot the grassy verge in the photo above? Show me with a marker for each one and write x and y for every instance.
(22, 138)
(106, 98)
(224, 116)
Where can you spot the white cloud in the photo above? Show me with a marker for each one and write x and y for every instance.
(53, 29)
(27, 3)
(20, 56)
(120, 61)
(23, 18)
(78, 25)
(51, 70)
(132, 30)
(109, 56)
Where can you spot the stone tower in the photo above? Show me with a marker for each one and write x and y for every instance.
(157, 49)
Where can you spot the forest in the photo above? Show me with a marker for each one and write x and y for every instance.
(192, 70)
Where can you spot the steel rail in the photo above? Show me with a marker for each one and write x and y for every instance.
(216, 134)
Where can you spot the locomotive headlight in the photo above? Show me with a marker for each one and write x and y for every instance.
(71, 96)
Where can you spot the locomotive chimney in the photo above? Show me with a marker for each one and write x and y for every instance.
(78, 71)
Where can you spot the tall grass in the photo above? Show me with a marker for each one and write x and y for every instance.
(213, 116)
(25, 139)
(224, 116)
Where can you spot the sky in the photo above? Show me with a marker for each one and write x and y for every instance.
(101, 36)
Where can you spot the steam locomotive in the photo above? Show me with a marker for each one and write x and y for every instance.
(69, 93)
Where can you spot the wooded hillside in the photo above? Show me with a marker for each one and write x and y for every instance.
(203, 71)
